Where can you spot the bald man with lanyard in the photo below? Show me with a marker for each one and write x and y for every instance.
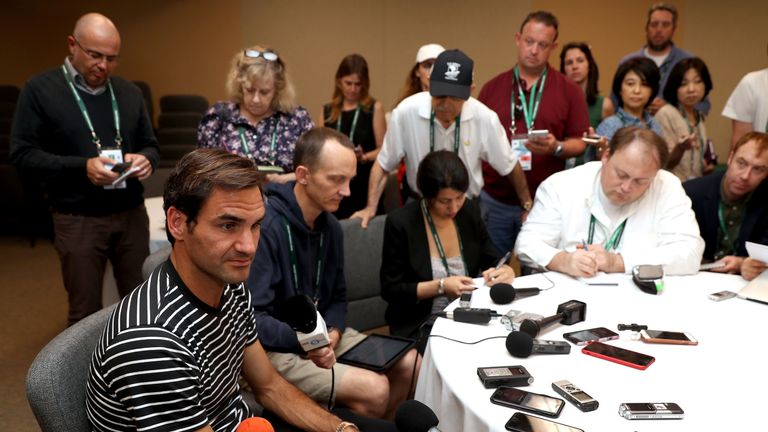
(72, 125)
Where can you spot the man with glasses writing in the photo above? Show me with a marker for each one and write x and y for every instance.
(531, 96)
(88, 138)
(613, 214)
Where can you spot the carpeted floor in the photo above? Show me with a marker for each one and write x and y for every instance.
(33, 307)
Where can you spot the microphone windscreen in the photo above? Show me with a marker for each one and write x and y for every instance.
(298, 312)
(519, 344)
(414, 416)
(255, 424)
(502, 293)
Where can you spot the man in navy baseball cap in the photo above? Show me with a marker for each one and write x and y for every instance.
(451, 75)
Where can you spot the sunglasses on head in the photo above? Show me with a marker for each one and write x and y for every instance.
(266, 55)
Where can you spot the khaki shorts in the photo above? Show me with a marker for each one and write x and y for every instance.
(315, 381)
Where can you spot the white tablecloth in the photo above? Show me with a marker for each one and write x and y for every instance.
(720, 384)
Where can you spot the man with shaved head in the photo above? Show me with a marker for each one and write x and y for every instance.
(78, 130)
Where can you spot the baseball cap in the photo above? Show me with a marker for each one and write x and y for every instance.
(451, 75)
(428, 51)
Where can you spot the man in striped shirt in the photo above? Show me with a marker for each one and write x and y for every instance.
(172, 351)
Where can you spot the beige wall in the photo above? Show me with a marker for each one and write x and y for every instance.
(185, 46)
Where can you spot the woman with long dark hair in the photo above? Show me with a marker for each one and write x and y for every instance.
(355, 113)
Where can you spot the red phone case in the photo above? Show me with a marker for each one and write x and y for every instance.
(587, 351)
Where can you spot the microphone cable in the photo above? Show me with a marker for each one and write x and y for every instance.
(465, 342)
(333, 385)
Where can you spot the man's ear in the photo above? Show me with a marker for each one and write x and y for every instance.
(176, 223)
(71, 45)
(302, 174)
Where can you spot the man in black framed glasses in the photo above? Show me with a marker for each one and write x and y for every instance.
(87, 137)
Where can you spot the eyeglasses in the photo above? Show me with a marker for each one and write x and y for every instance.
(95, 55)
(266, 55)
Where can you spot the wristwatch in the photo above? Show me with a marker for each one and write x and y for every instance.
(527, 205)
(559, 149)
(441, 287)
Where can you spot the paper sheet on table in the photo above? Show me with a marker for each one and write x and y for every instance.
(601, 278)
(757, 251)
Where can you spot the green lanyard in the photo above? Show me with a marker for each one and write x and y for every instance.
(84, 110)
(456, 133)
(272, 144)
(531, 109)
(726, 237)
(295, 263)
(613, 242)
(439, 245)
(699, 136)
(354, 124)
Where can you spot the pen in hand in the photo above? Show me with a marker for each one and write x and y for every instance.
(584, 245)
(502, 261)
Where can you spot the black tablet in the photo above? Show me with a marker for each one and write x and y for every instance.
(377, 352)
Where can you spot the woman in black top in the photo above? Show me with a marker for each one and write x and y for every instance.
(354, 112)
(434, 247)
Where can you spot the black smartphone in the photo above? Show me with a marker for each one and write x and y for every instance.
(120, 167)
(520, 422)
(527, 401)
(618, 355)
(583, 337)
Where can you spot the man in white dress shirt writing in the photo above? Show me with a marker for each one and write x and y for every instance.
(613, 214)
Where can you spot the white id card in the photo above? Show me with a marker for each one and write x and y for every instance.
(524, 156)
(116, 155)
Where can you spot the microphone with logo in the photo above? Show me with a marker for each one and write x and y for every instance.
(300, 313)
(414, 416)
(504, 293)
(255, 424)
(570, 312)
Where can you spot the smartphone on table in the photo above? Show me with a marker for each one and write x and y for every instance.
(597, 334)
(528, 401)
(618, 355)
(667, 337)
(521, 422)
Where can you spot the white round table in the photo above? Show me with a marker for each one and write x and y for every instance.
(720, 383)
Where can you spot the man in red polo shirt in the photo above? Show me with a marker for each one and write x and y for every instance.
(542, 99)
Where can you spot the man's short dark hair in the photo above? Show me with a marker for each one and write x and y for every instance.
(643, 67)
(310, 144)
(662, 7)
(678, 73)
(627, 135)
(201, 171)
(439, 170)
(544, 17)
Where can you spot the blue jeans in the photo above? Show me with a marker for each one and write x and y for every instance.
(502, 221)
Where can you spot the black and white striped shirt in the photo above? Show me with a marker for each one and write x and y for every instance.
(169, 362)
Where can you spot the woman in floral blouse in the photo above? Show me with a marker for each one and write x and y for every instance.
(262, 121)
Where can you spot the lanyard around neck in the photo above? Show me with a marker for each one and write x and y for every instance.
(354, 124)
(295, 263)
(438, 244)
(272, 144)
(456, 133)
(721, 219)
(613, 242)
(84, 110)
(530, 109)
